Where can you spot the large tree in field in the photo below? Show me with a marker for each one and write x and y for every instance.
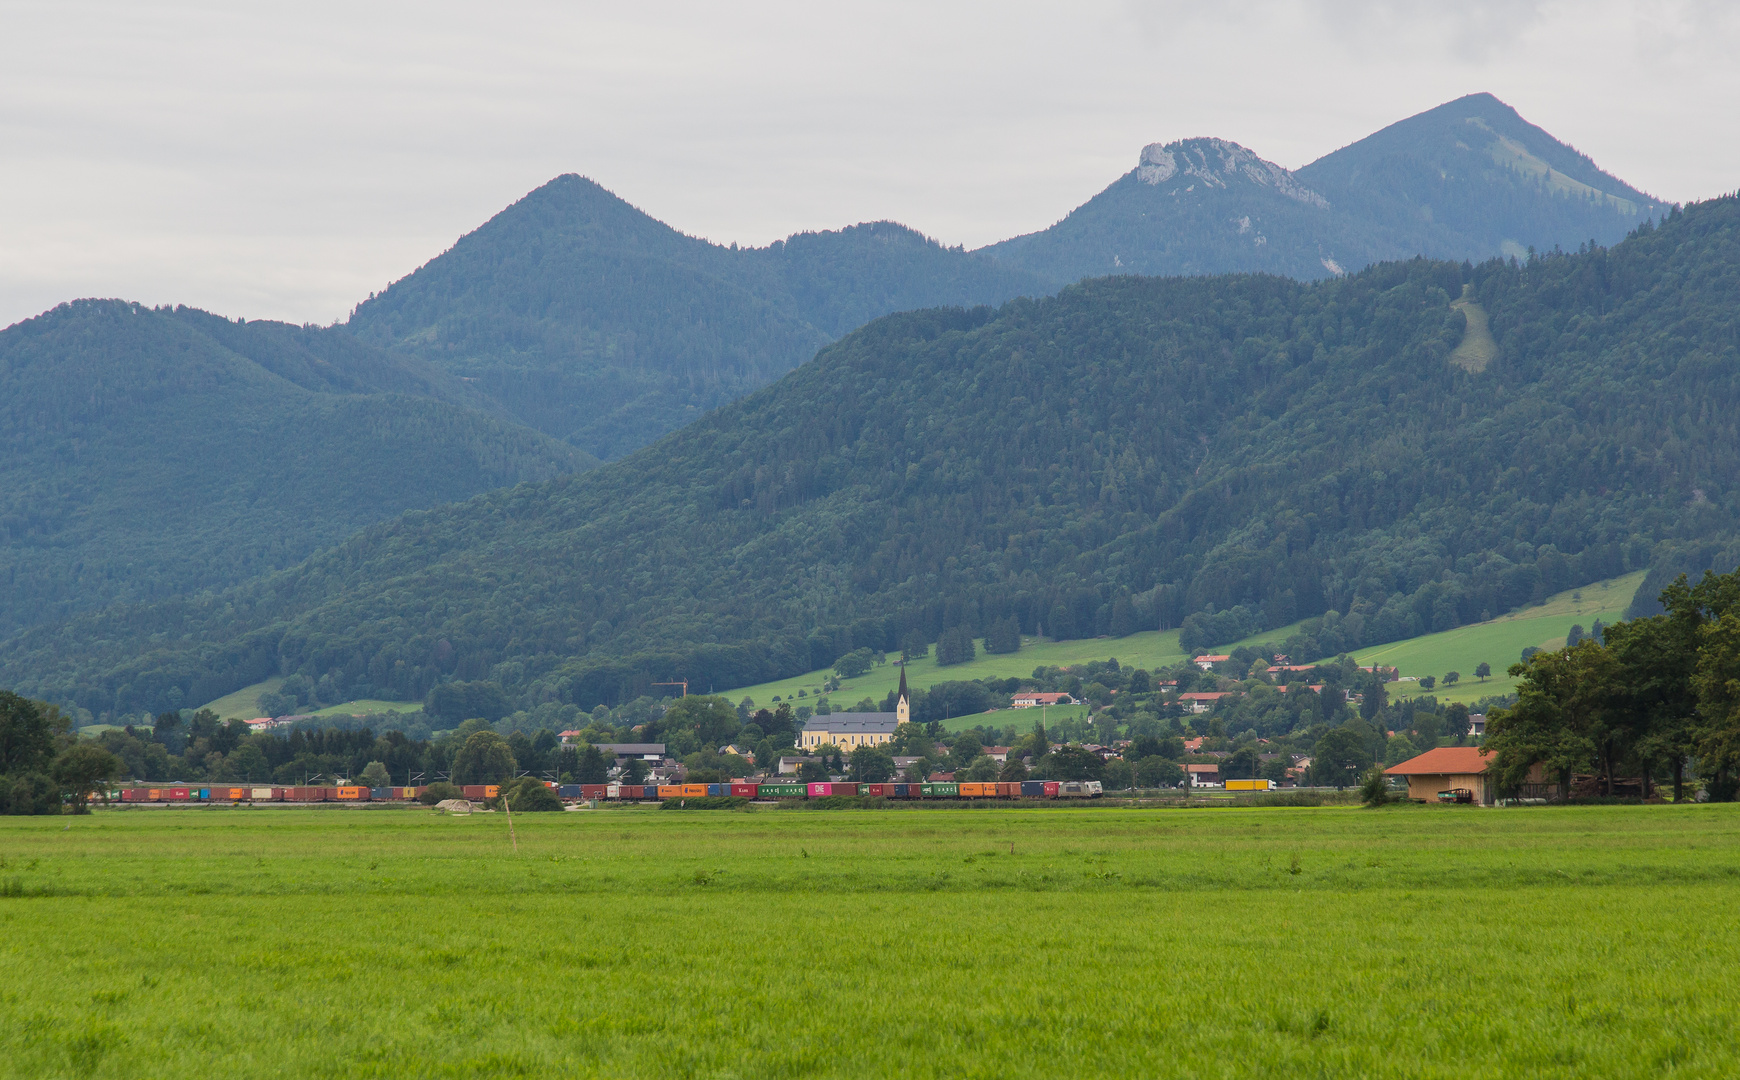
(84, 768)
(484, 759)
(1657, 701)
(26, 737)
(1565, 717)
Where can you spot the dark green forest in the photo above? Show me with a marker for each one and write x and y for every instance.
(151, 452)
(1469, 179)
(597, 324)
(1182, 446)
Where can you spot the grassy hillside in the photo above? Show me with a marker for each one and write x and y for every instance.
(1150, 649)
(1501, 641)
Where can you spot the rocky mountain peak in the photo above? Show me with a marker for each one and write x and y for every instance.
(1218, 163)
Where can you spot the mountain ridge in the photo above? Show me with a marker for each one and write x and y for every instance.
(1244, 449)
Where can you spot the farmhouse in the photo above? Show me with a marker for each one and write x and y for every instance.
(1203, 775)
(1206, 662)
(1029, 699)
(1445, 769)
(1200, 703)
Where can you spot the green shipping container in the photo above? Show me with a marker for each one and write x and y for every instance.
(942, 791)
(781, 791)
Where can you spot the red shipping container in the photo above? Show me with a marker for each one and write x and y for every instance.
(594, 791)
(744, 791)
(177, 794)
(473, 791)
(1051, 789)
(629, 791)
(135, 795)
(874, 789)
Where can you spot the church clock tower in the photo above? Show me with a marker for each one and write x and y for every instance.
(903, 701)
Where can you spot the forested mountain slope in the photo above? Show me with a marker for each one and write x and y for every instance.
(593, 322)
(1243, 450)
(1469, 179)
(154, 452)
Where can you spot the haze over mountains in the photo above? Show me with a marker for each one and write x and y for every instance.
(1253, 447)
(162, 453)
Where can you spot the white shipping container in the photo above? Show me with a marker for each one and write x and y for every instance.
(263, 793)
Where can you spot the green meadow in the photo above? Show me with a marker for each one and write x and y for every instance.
(638, 942)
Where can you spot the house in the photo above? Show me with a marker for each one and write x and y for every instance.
(1206, 662)
(1166, 685)
(1291, 669)
(1203, 775)
(1029, 699)
(1315, 688)
(1201, 703)
(999, 754)
(1477, 724)
(941, 778)
(1444, 769)
(788, 766)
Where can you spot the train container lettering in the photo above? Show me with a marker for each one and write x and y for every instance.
(744, 791)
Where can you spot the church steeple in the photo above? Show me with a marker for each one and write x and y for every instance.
(903, 701)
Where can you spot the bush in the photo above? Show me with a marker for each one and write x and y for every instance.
(528, 795)
(706, 802)
(1375, 789)
(439, 792)
(32, 793)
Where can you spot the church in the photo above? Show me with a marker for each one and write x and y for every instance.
(850, 730)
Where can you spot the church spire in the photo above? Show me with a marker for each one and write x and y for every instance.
(903, 701)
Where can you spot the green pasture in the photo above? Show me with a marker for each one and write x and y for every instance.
(1149, 649)
(244, 703)
(1501, 641)
(622, 942)
(1022, 718)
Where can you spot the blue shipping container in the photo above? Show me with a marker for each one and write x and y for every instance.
(202, 793)
(380, 793)
(718, 789)
(1031, 788)
(569, 791)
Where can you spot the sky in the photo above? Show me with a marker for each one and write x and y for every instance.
(279, 160)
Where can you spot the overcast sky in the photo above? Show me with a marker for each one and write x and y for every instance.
(283, 160)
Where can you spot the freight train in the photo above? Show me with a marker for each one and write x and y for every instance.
(230, 794)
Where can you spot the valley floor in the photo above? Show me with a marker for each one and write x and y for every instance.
(1411, 941)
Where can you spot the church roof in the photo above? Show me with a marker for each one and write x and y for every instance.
(854, 723)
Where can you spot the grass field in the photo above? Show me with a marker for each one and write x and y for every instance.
(348, 942)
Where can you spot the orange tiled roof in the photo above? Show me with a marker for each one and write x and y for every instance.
(1442, 761)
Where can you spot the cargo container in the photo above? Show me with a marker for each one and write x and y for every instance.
(976, 791)
(819, 791)
(942, 791)
(472, 791)
(715, 790)
(1250, 785)
(876, 790)
(1009, 790)
(304, 794)
(134, 794)
(178, 794)
(780, 790)
(695, 791)
(1033, 789)
(625, 791)
(350, 794)
(376, 793)
(263, 794)
(744, 791)
(670, 791)
(1051, 787)
(594, 791)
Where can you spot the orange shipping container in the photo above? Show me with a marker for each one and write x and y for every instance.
(671, 791)
(694, 791)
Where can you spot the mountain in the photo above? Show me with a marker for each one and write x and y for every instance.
(151, 452)
(1231, 453)
(1467, 180)
(597, 324)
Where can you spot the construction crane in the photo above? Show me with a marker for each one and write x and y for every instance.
(684, 683)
